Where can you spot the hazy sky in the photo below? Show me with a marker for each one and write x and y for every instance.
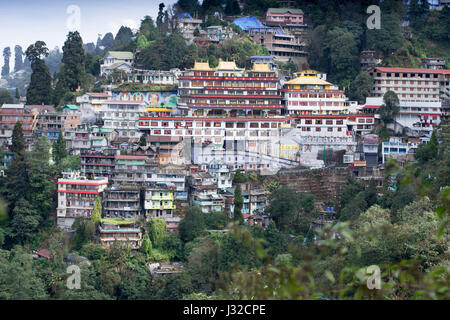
(25, 21)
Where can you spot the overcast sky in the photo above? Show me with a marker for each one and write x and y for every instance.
(24, 22)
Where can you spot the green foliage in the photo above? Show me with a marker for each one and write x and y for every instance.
(216, 220)
(166, 53)
(390, 108)
(428, 152)
(361, 87)
(39, 90)
(96, 214)
(70, 162)
(157, 231)
(5, 97)
(192, 225)
(239, 177)
(73, 60)
(59, 151)
(238, 203)
(18, 278)
(287, 208)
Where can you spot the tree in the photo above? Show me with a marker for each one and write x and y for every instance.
(239, 177)
(18, 58)
(428, 152)
(18, 278)
(39, 90)
(59, 151)
(42, 188)
(238, 203)
(190, 6)
(73, 61)
(143, 140)
(216, 220)
(96, 214)
(5, 97)
(142, 42)
(17, 94)
(196, 32)
(160, 17)
(361, 87)
(192, 225)
(232, 8)
(157, 231)
(148, 29)
(284, 207)
(203, 265)
(390, 107)
(146, 247)
(25, 221)
(341, 48)
(17, 173)
(6, 56)
(108, 40)
(123, 37)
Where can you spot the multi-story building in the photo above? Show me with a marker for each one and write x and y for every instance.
(12, 113)
(127, 235)
(159, 201)
(122, 115)
(76, 197)
(203, 192)
(401, 148)
(280, 44)
(187, 25)
(226, 109)
(155, 76)
(420, 93)
(123, 202)
(130, 169)
(433, 63)
(284, 15)
(93, 100)
(78, 139)
(50, 124)
(171, 175)
(120, 60)
(100, 163)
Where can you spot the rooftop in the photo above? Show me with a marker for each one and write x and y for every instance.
(121, 54)
(285, 10)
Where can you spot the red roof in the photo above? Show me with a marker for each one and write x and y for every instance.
(43, 253)
(412, 70)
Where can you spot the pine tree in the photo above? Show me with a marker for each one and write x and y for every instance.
(59, 151)
(18, 58)
(6, 56)
(39, 91)
(238, 204)
(17, 174)
(72, 71)
(96, 215)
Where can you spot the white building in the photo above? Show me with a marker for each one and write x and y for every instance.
(76, 197)
(122, 116)
(420, 93)
(121, 60)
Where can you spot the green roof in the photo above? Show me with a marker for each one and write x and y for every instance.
(71, 107)
(122, 55)
(285, 10)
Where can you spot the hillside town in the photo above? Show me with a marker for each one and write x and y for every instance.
(139, 156)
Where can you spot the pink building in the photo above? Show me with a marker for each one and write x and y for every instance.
(284, 16)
